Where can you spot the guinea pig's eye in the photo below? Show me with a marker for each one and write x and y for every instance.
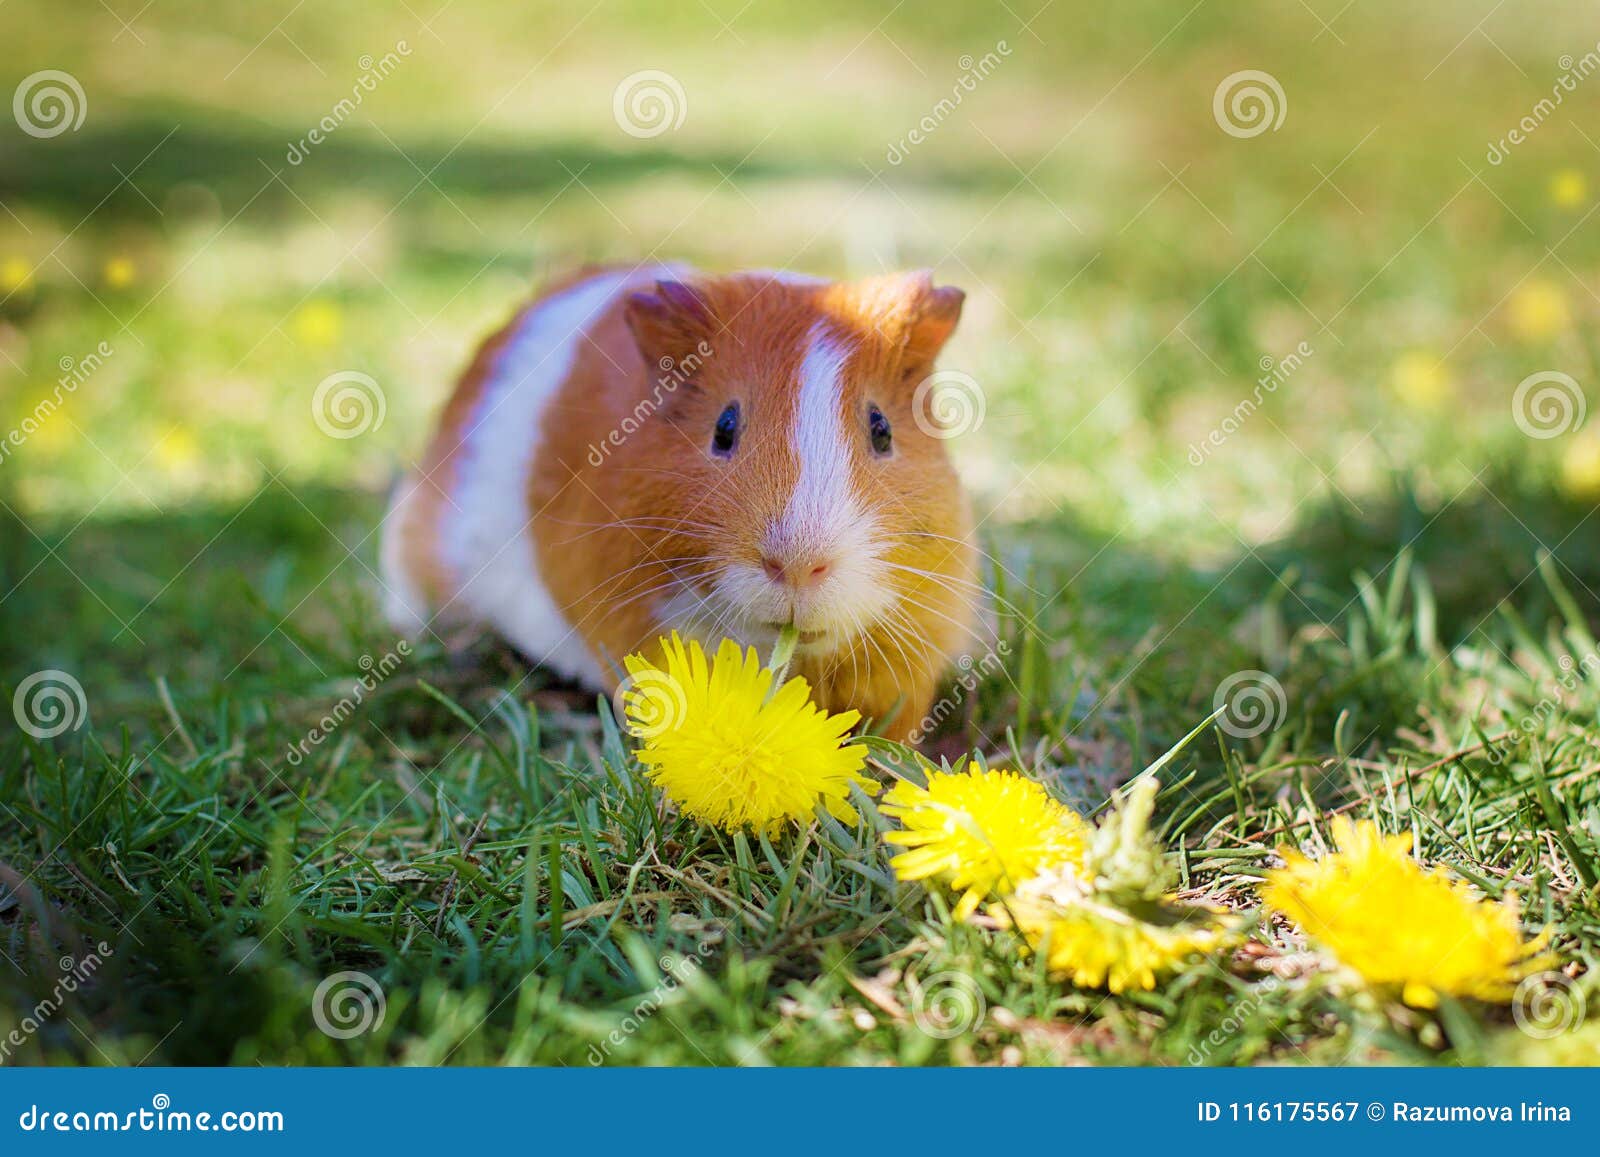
(878, 431)
(726, 436)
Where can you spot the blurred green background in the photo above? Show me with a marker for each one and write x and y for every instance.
(182, 535)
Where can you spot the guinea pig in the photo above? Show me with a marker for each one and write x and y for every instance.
(653, 450)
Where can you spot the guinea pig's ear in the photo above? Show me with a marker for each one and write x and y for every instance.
(669, 321)
(934, 311)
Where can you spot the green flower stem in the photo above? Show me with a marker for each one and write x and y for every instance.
(782, 652)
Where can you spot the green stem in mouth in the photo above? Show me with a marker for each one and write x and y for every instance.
(782, 652)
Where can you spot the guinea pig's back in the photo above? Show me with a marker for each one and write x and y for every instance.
(457, 542)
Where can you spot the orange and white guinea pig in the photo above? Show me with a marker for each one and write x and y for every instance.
(654, 450)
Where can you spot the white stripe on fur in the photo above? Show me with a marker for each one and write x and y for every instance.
(488, 543)
(823, 520)
(822, 504)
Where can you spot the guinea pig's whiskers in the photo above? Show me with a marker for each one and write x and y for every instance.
(934, 579)
(961, 627)
(711, 619)
(962, 545)
(670, 527)
(964, 589)
(909, 632)
(865, 652)
(895, 626)
(858, 630)
(673, 582)
(977, 587)
(894, 638)
(953, 582)
(666, 564)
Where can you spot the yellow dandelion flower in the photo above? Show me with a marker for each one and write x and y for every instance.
(1420, 380)
(1094, 944)
(1399, 925)
(119, 272)
(981, 832)
(317, 323)
(1569, 188)
(15, 274)
(730, 754)
(1580, 467)
(1538, 311)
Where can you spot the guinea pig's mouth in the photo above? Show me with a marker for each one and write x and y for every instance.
(804, 638)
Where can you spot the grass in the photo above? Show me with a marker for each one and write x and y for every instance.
(1379, 535)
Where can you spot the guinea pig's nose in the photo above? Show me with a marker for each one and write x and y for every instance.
(797, 573)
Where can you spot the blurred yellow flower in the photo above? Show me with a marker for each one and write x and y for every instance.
(317, 323)
(1419, 379)
(46, 428)
(119, 272)
(1095, 944)
(15, 274)
(981, 832)
(1538, 311)
(1400, 926)
(730, 754)
(1580, 466)
(177, 450)
(1569, 188)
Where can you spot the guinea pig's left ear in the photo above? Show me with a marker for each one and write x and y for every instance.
(934, 313)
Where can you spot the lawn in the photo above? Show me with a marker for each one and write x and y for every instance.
(1300, 407)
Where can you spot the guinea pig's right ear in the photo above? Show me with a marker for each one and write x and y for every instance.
(669, 322)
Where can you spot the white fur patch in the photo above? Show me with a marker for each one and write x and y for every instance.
(404, 604)
(488, 543)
